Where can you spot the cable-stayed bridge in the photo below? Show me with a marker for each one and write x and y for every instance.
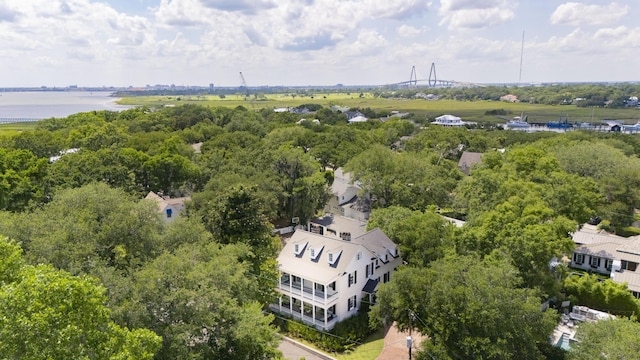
(432, 81)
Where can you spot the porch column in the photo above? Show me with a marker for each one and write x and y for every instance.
(326, 316)
(313, 297)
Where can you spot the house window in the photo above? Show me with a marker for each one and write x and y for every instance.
(608, 263)
(351, 303)
(628, 265)
(578, 258)
(385, 277)
(332, 286)
(366, 270)
(594, 262)
(353, 278)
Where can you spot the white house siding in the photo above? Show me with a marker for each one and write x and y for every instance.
(306, 282)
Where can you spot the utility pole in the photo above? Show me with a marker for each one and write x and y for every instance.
(409, 339)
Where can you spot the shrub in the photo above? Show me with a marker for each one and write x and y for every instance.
(344, 336)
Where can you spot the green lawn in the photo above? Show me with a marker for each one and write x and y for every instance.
(468, 110)
(369, 350)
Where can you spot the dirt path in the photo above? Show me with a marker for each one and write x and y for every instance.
(395, 344)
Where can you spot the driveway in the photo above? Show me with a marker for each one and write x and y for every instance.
(293, 350)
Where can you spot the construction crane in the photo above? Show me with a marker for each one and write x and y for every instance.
(246, 89)
(243, 84)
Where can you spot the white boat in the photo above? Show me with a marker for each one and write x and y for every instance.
(517, 123)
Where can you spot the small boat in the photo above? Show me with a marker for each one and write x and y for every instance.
(518, 122)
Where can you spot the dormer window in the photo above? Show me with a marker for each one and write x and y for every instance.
(332, 257)
(298, 248)
(314, 253)
(394, 251)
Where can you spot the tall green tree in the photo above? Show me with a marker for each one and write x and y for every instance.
(49, 314)
(608, 339)
(203, 301)
(468, 308)
(422, 237)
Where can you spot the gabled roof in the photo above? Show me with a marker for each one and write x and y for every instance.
(377, 242)
(341, 224)
(468, 159)
(591, 241)
(603, 250)
(590, 234)
(318, 269)
(632, 279)
(163, 202)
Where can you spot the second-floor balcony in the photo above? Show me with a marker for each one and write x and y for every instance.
(309, 290)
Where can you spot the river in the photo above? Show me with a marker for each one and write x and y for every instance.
(34, 105)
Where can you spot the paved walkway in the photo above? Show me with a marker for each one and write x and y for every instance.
(293, 350)
(394, 348)
(395, 344)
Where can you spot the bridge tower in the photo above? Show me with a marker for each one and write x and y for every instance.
(433, 80)
(413, 78)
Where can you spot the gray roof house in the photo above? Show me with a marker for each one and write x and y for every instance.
(608, 254)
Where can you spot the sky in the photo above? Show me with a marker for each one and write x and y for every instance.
(315, 42)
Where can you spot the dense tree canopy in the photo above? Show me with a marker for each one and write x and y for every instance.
(202, 281)
(49, 314)
(610, 339)
(469, 308)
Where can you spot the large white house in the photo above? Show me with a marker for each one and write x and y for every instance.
(324, 279)
(608, 254)
(451, 120)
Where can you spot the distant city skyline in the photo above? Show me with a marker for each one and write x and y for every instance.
(121, 43)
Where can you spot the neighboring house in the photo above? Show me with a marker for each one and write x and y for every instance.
(608, 254)
(345, 200)
(613, 125)
(451, 120)
(468, 159)
(169, 208)
(509, 98)
(324, 279)
(354, 114)
(358, 119)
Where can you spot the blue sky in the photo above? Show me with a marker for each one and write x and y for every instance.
(314, 42)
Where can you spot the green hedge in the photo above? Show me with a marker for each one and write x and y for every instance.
(344, 336)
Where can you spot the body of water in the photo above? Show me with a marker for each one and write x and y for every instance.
(33, 105)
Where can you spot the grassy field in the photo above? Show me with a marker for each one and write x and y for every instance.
(467, 110)
(15, 128)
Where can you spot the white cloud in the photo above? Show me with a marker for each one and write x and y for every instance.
(475, 14)
(579, 14)
(409, 31)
